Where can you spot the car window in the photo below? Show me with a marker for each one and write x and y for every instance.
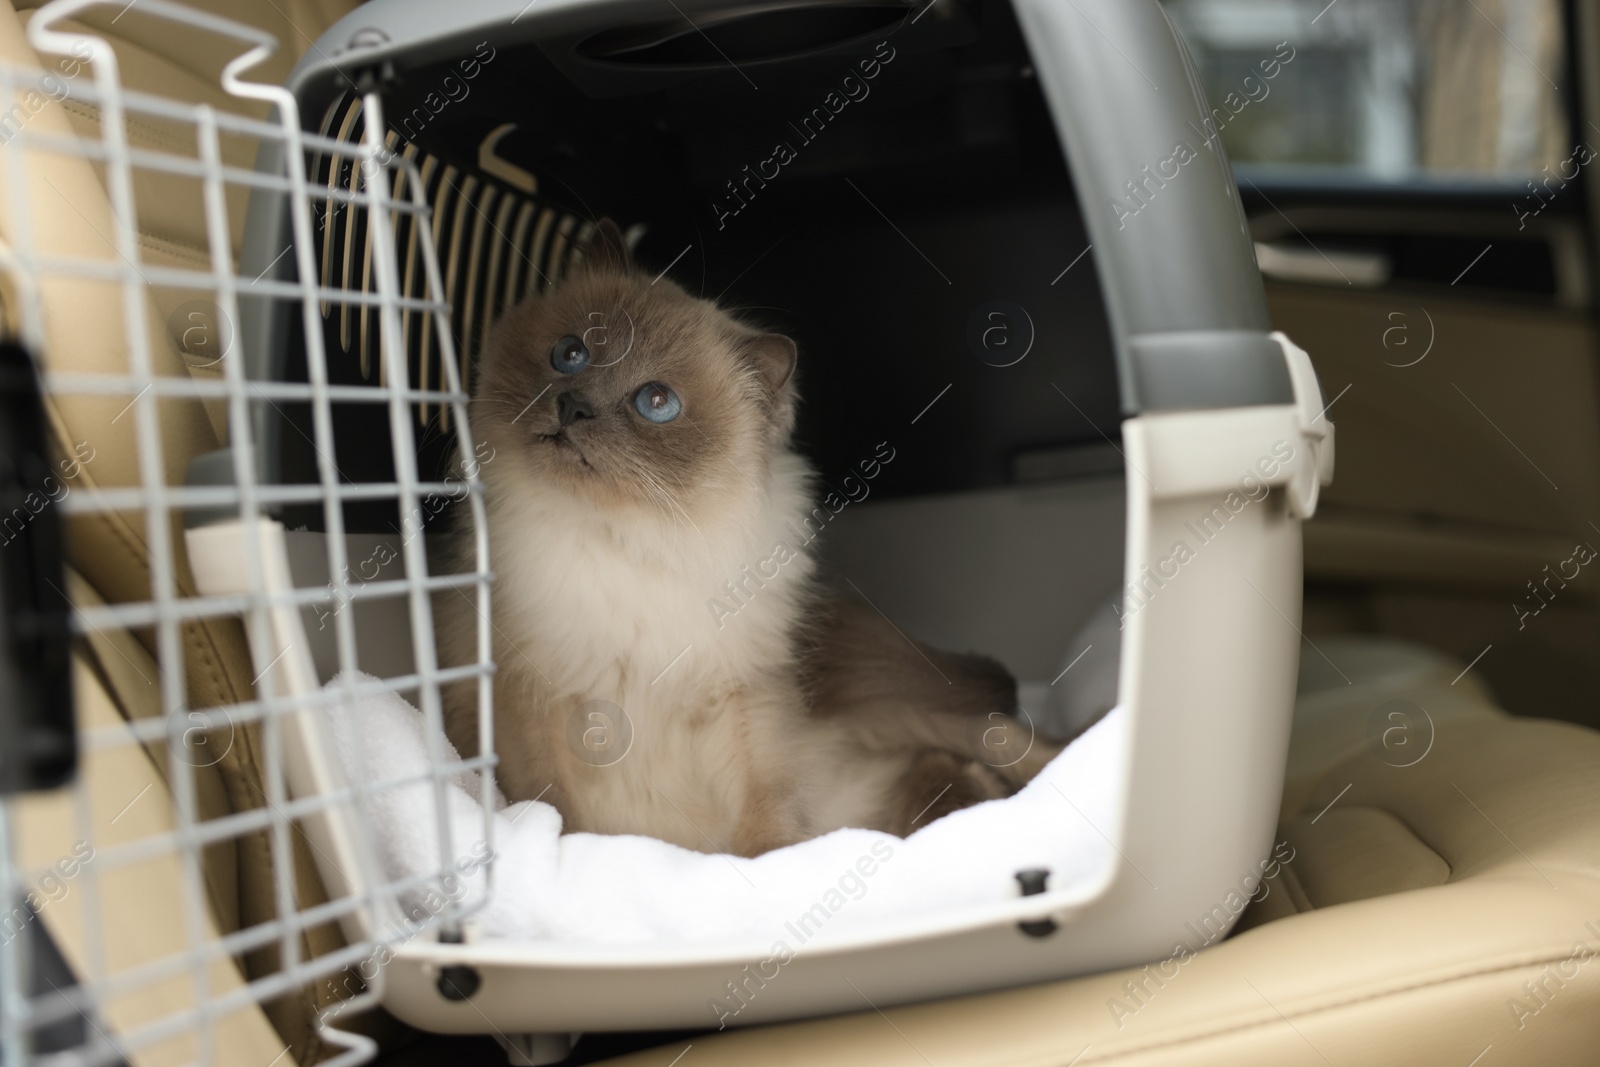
(1393, 90)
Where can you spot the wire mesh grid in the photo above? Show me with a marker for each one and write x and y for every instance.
(497, 242)
(81, 865)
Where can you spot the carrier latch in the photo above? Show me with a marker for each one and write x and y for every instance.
(1033, 881)
(1316, 432)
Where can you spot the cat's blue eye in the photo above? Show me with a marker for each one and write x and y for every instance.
(657, 402)
(570, 355)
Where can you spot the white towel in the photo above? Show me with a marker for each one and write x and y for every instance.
(623, 890)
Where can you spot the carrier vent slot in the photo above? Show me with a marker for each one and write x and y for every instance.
(496, 245)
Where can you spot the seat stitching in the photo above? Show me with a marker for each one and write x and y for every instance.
(1449, 867)
(1397, 817)
(1541, 868)
(1335, 1005)
(1332, 773)
(183, 250)
(151, 135)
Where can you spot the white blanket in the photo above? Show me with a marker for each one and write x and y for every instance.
(623, 890)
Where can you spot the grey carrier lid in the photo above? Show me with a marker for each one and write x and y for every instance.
(1184, 297)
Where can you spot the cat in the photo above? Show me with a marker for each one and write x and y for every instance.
(642, 459)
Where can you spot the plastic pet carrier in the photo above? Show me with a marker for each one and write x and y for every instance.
(1008, 242)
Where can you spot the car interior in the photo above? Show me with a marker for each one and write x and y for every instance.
(1414, 176)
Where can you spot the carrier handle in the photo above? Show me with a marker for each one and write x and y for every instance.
(1186, 304)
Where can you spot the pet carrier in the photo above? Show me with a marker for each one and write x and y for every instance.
(997, 228)
(906, 189)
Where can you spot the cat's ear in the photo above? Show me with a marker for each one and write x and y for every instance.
(775, 356)
(607, 249)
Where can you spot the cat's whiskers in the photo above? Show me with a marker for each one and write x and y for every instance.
(671, 513)
(659, 495)
(654, 492)
(733, 464)
(503, 399)
(665, 497)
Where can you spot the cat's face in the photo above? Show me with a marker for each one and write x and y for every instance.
(623, 390)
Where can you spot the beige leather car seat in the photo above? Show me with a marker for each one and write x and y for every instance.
(1431, 913)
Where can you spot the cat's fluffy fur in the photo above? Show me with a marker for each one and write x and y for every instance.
(609, 535)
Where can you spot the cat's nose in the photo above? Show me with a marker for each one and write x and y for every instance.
(573, 405)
